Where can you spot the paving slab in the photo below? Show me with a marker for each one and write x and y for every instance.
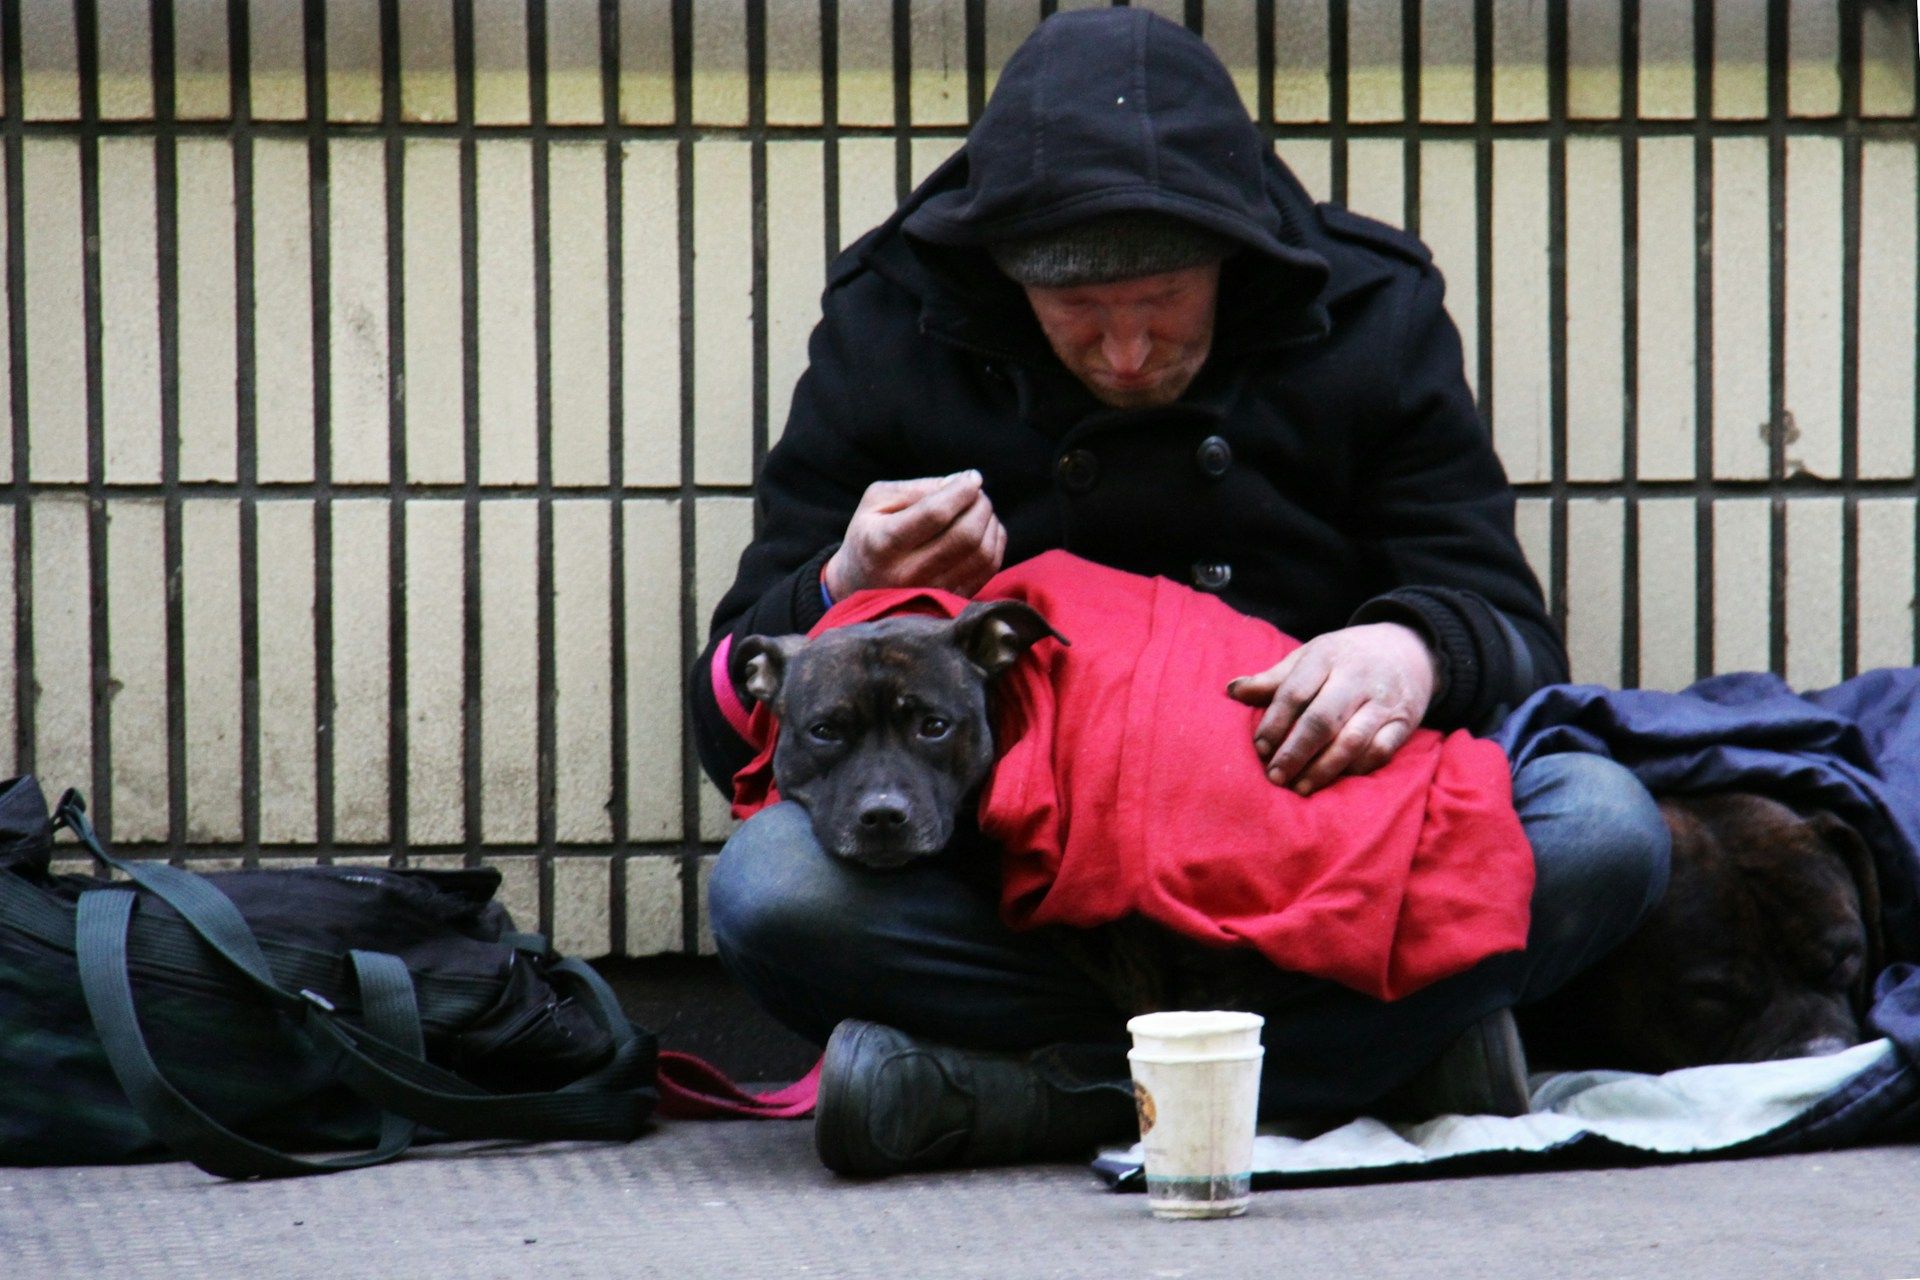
(747, 1199)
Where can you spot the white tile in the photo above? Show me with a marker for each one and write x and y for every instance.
(865, 84)
(583, 671)
(1533, 526)
(207, 307)
(10, 763)
(1813, 58)
(1742, 352)
(720, 62)
(1377, 179)
(49, 61)
(1008, 23)
(654, 667)
(1450, 224)
(1888, 285)
(353, 60)
(703, 934)
(1815, 286)
(1522, 382)
(937, 87)
(650, 313)
(582, 898)
(357, 312)
(509, 670)
(793, 62)
(210, 608)
(1519, 60)
(435, 388)
(1885, 553)
(722, 529)
(867, 196)
(283, 402)
(722, 312)
(1666, 59)
(796, 267)
(1668, 269)
(1375, 86)
(428, 90)
(519, 889)
(360, 721)
(927, 154)
(277, 49)
(654, 909)
(289, 730)
(1669, 588)
(129, 313)
(1302, 90)
(1447, 80)
(1233, 30)
(55, 311)
(500, 94)
(1593, 60)
(1742, 584)
(436, 673)
(62, 645)
(1596, 310)
(1887, 44)
(646, 61)
(1815, 571)
(1595, 588)
(136, 666)
(577, 312)
(6, 343)
(1739, 59)
(124, 38)
(202, 86)
(508, 450)
(573, 64)
(1311, 160)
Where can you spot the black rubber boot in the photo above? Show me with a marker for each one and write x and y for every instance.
(890, 1103)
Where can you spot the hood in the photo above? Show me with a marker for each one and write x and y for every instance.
(1104, 110)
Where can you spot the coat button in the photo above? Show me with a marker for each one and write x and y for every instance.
(1212, 575)
(1077, 470)
(1215, 457)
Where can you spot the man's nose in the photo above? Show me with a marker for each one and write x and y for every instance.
(1126, 348)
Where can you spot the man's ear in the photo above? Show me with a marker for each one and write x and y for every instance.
(758, 664)
(994, 633)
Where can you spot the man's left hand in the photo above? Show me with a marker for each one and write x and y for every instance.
(1340, 704)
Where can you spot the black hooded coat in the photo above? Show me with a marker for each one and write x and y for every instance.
(1326, 467)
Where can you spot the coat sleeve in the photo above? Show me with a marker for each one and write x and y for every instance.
(1437, 508)
(840, 437)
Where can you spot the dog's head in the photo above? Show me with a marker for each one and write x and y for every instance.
(883, 725)
(1765, 945)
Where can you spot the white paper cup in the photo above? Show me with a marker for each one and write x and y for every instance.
(1196, 1078)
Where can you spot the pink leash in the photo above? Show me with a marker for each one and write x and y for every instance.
(694, 1089)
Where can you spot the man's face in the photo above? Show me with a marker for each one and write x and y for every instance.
(1135, 343)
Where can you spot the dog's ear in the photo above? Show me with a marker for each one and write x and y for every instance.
(758, 664)
(994, 633)
(1846, 842)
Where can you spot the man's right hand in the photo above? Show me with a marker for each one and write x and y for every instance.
(934, 532)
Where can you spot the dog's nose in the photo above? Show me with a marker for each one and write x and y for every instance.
(1820, 1046)
(883, 814)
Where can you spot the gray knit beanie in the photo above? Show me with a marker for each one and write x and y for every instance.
(1113, 246)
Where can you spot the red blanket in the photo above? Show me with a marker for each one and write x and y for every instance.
(1127, 783)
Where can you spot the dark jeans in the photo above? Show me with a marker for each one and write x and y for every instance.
(814, 940)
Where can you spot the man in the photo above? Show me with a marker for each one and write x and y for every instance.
(1115, 323)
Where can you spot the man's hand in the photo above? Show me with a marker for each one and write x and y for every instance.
(1340, 704)
(935, 532)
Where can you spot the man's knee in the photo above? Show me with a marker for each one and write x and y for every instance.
(1601, 847)
(773, 890)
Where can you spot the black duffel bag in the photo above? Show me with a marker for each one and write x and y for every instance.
(229, 1018)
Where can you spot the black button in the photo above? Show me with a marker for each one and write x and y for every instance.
(1215, 456)
(1212, 575)
(1077, 470)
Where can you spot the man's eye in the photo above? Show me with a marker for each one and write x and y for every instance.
(823, 732)
(935, 727)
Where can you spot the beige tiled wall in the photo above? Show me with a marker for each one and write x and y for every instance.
(380, 444)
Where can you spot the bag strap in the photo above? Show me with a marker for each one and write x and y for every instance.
(100, 938)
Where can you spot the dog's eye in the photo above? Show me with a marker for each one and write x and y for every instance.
(1845, 971)
(935, 727)
(823, 732)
